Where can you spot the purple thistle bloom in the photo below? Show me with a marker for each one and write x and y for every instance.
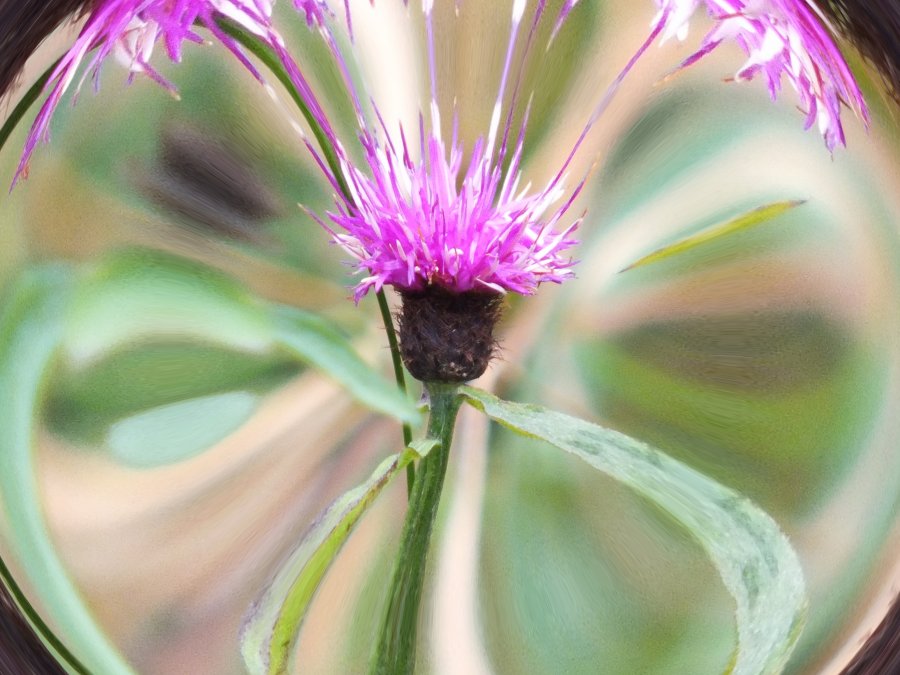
(129, 30)
(430, 222)
(781, 38)
(414, 223)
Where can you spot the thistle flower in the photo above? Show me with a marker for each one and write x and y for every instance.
(451, 238)
(129, 30)
(436, 227)
(415, 223)
(781, 38)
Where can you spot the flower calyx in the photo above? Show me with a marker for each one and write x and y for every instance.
(445, 336)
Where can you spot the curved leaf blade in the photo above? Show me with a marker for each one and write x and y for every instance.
(745, 221)
(314, 340)
(137, 294)
(753, 557)
(31, 329)
(272, 624)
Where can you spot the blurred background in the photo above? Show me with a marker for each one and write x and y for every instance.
(163, 455)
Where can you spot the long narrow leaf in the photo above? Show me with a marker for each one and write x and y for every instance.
(314, 340)
(757, 564)
(745, 221)
(273, 624)
(169, 295)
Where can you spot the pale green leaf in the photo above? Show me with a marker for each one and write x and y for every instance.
(163, 357)
(314, 340)
(754, 558)
(150, 375)
(31, 327)
(178, 431)
(424, 445)
(745, 221)
(151, 335)
(273, 624)
(140, 294)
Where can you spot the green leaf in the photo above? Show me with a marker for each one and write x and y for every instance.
(317, 342)
(31, 327)
(757, 564)
(273, 624)
(163, 358)
(786, 395)
(744, 221)
(149, 374)
(137, 294)
(178, 431)
(151, 336)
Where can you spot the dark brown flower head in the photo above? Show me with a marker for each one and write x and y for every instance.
(446, 336)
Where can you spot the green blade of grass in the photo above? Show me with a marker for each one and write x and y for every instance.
(273, 623)
(745, 221)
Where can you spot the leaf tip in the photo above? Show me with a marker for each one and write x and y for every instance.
(746, 220)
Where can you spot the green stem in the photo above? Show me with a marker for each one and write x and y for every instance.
(267, 56)
(395, 652)
(399, 376)
(25, 103)
(41, 630)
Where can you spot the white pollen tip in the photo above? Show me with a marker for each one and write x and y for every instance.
(518, 10)
(435, 119)
(495, 124)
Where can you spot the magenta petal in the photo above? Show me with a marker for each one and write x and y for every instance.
(785, 39)
(415, 224)
(128, 30)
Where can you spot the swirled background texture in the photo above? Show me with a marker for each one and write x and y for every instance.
(178, 455)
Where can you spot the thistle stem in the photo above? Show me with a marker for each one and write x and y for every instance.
(395, 652)
(398, 376)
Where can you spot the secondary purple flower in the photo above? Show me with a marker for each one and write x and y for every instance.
(129, 30)
(782, 38)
